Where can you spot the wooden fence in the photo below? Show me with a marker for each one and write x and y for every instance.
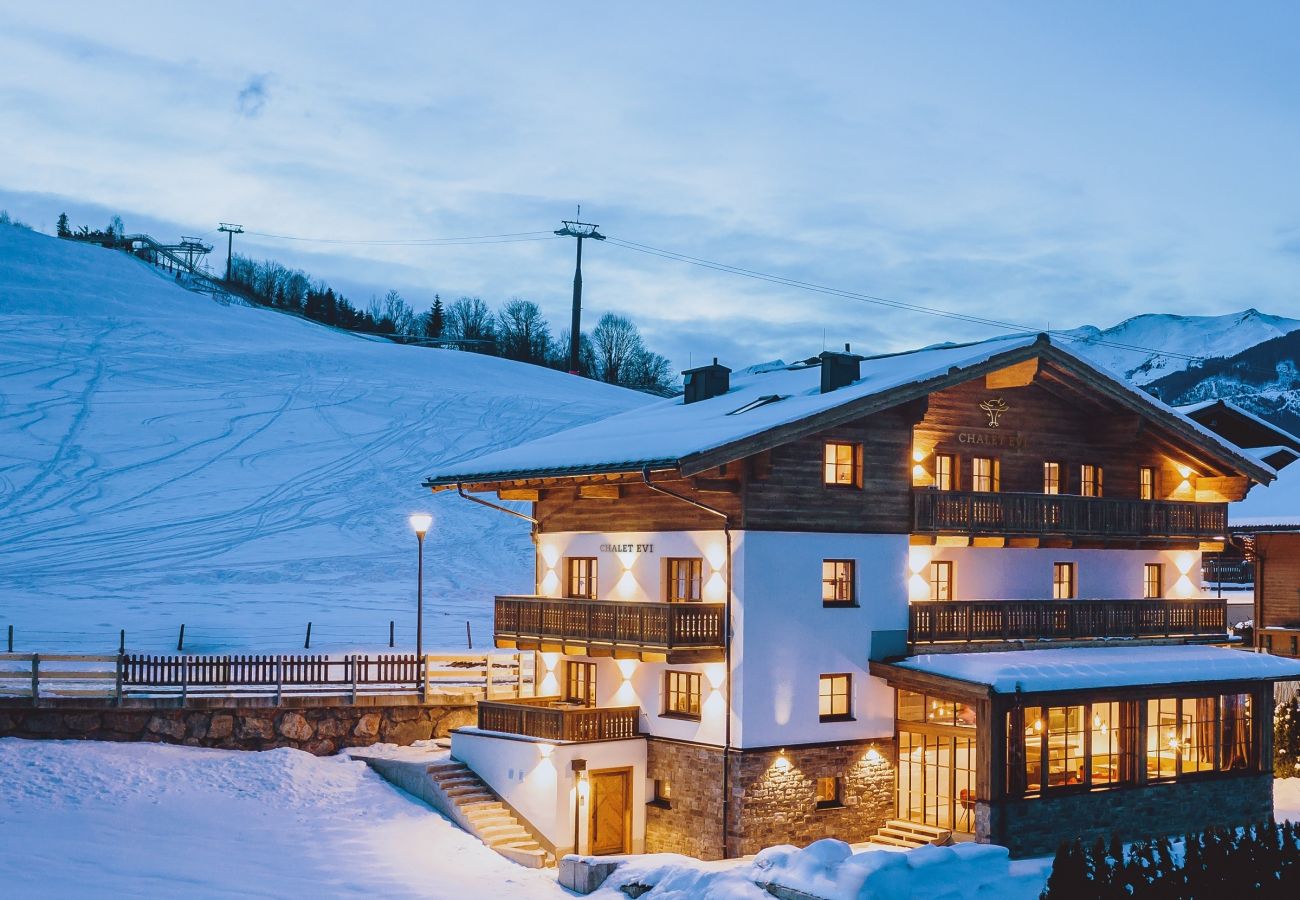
(471, 675)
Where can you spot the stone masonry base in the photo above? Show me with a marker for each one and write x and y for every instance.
(773, 796)
(304, 724)
(1037, 826)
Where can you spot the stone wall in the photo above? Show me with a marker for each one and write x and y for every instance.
(773, 796)
(1036, 826)
(305, 724)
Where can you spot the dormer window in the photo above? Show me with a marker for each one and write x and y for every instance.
(842, 464)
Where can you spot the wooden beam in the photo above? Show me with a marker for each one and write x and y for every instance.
(1020, 374)
(952, 540)
(920, 540)
(599, 491)
(1211, 546)
(532, 494)
(717, 485)
(988, 542)
(1221, 490)
(1023, 543)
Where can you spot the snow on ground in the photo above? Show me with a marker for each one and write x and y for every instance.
(147, 820)
(165, 459)
(1286, 799)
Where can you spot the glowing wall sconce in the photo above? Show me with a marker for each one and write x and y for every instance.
(715, 589)
(545, 750)
(918, 558)
(626, 667)
(715, 673)
(550, 555)
(874, 756)
(782, 763)
(716, 554)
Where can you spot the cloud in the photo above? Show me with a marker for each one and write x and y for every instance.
(252, 98)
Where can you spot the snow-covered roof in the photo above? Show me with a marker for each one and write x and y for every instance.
(1068, 668)
(1286, 438)
(664, 434)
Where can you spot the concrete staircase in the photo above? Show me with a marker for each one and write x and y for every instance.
(910, 835)
(479, 811)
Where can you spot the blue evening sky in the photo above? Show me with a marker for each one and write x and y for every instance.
(1047, 163)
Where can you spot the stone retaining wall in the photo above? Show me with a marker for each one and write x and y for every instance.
(304, 724)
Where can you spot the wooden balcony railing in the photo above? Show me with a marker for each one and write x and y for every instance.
(548, 719)
(675, 629)
(938, 621)
(970, 512)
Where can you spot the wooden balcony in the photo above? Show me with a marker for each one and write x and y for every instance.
(970, 621)
(549, 719)
(973, 513)
(676, 632)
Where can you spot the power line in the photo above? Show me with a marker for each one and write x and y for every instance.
(883, 301)
(509, 237)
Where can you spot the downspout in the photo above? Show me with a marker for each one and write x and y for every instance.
(460, 489)
(726, 643)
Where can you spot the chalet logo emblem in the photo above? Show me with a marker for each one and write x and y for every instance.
(994, 408)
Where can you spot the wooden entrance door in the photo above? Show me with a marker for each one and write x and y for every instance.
(610, 828)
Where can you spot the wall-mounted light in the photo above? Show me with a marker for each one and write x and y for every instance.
(874, 756)
(782, 761)
(545, 750)
(716, 554)
(626, 667)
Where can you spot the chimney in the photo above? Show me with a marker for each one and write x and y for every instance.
(704, 382)
(839, 369)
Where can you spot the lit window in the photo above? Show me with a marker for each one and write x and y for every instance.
(580, 682)
(682, 694)
(833, 698)
(581, 577)
(1153, 581)
(838, 583)
(829, 792)
(660, 793)
(1051, 478)
(941, 580)
(985, 475)
(843, 464)
(945, 472)
(1064, 585)
(1090, 480)
(684, 579)
(1147, 482)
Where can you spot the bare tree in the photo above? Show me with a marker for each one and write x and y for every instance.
(616, 342)
(522, 332)
(470, 319)
(648, 371)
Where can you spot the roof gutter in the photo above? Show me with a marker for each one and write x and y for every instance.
(726, 643)
(460, 489)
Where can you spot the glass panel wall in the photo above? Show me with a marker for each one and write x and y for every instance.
(1098, 745)
(936, 760)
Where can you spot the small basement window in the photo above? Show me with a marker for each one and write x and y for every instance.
(830, 792)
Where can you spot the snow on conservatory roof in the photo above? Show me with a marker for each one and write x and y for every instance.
(672, 434)
(1070, 668)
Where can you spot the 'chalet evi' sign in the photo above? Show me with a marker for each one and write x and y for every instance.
(627, 548)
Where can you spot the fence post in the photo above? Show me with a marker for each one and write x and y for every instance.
(121, 642)
(36, 677)
(423, 663)
(469, 638)
(487, 679)
(11, 638)
(352, 664)
(180, 641)
(185, 678)
(306, 645)
(121, 665)
(391, 633)
(279, 677)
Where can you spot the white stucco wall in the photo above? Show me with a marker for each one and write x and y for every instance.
(537, 778)
(635, 574)
(1009, 573)
(785, 639)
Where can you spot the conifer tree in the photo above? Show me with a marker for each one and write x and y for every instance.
(62, 228)
(436, 321)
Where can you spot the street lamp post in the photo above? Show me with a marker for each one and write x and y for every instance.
(420, 523)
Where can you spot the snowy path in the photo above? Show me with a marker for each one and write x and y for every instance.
(134, 820)
(167, 459)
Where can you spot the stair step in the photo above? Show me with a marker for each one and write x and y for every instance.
(917, 827)
(479, 796)
(500, 829)
(474, 806)
(529, 844)
(894, 842)
(459, 790)
(902, 835)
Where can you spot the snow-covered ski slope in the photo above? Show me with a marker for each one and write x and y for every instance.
(165, 459)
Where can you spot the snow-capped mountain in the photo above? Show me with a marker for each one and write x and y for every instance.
(1126, 348)
(165, 459)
